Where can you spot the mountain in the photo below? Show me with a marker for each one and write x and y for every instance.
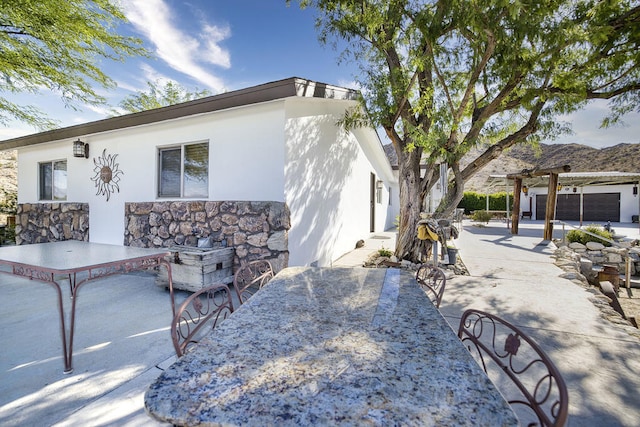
(8, 172)
(581, 158)
(620, 158)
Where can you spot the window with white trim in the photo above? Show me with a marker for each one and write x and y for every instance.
(52, 180)
(183, 171)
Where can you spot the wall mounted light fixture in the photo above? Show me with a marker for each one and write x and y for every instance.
(525, 189)
(80, 149)
(635, 190)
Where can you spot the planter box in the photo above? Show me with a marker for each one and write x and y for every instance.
(195, 268)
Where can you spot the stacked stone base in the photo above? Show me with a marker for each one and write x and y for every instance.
(600, 255)
(51, 222)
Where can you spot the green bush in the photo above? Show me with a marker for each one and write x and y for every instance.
(472, 201)
(9, 235)
(482, 216)
(385, 252)
(582, 237)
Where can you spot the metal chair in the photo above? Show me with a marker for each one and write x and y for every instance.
(251, 277)
(199, 314)
(432, 280)
(534, 387)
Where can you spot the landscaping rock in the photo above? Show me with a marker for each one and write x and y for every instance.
(595, 246)
(577, 246)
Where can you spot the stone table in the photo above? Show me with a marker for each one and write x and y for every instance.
(330, 346)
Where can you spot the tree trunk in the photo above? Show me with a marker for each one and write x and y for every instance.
(408, 246)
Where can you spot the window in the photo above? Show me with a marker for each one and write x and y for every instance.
(184, 171)
(52, 180)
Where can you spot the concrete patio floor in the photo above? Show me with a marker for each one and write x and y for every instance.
(122, 338)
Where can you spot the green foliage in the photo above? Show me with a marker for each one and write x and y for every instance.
(158, 96)
(444, 77)
(482, 216)
(9, 234)
(582, 237)
(472, 201)
(8, 202)
(57, 46)
(385, 252)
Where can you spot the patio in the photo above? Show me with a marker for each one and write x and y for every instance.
(123, 349)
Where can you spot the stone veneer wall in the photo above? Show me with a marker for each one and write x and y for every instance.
(50, 222)
(256, 230)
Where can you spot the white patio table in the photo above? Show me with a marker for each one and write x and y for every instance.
(324, 346)
(79, 263)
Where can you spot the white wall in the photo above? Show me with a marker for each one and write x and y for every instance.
(246, 158)
(327, 188)
(288, 150)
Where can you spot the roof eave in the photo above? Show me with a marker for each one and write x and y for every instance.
(280, 89)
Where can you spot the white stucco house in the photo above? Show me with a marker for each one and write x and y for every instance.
(274, 143)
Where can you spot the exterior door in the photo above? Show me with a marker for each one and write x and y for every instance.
(372, 203)
(567, 207)
(596, 207)
(602, 207)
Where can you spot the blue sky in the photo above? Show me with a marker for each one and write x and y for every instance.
(224, 45)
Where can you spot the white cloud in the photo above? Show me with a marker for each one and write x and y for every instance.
(182, 51)
(14, 132)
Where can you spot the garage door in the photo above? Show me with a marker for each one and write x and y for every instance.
(567, 208)
(597, 207)
(602, 207)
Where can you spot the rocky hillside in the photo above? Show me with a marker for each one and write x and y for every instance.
(8, 172)
(581, 158)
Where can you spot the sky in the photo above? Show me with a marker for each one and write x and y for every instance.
(225, 45)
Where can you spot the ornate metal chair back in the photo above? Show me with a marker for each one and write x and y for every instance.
(199, 314)
(433, 281)
(251, 277)
(522, 371)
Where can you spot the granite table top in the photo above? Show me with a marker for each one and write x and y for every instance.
(330, 346)
(70, 256)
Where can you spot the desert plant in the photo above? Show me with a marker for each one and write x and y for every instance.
(581, 237)
(385, 252)
(482, 216)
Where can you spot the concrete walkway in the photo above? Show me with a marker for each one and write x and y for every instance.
(514, 277)
(123, 339)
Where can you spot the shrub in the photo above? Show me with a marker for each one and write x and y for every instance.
(482, 216)
(472, 201)
(385, 252)
(582, 237)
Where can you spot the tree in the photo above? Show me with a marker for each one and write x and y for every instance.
(58, 45)
(442, 77)
(159, 96)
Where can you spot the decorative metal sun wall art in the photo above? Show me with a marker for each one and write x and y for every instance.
(107, 174)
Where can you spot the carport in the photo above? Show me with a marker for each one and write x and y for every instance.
(570, 196)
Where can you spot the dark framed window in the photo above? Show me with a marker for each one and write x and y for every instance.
(184, 171)
(52, 180)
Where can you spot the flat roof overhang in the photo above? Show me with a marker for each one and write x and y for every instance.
(566, 179)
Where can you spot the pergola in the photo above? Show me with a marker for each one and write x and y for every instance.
(551, 177)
